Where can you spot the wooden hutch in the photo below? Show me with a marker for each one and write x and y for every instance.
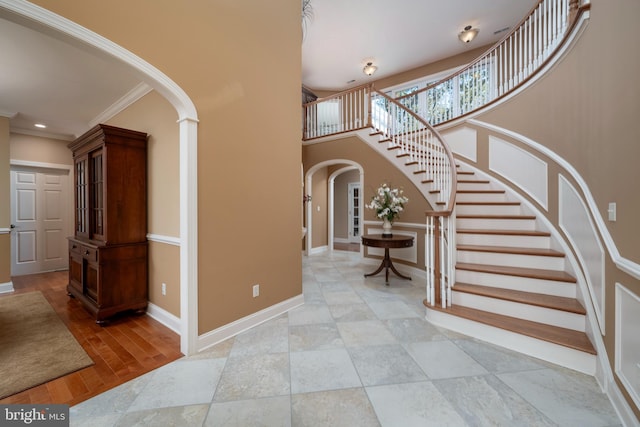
(108, 252)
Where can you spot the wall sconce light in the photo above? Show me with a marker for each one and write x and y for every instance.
(468, 34)
(369, 69)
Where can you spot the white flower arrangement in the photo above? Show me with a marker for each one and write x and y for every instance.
(388, 203)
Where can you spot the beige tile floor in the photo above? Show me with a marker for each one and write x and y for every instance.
(357, 353)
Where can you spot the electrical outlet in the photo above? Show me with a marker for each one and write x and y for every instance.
(256, 290)
(164, 289)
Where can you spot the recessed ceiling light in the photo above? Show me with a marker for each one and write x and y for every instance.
(40, 125)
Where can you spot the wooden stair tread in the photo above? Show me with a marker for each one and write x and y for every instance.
(570, 305)
(534, 273)
(504, 232)
(489, 203)
(553, 334)
(512, 250)
(497, 216)
(473, 181)
(480, 191)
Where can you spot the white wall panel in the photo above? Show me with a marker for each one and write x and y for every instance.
(520, 167)
(464, 142)
(627, 363)
(575, 221)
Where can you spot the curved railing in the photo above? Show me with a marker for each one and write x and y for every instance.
(411, 138)
(506, 66)
(406, 134)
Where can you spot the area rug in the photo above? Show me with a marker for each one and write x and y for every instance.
(35, 345)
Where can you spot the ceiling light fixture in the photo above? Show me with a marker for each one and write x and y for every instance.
(468, 34)
(369, 69)
(40, 125)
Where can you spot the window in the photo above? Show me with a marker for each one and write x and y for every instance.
(451, 98)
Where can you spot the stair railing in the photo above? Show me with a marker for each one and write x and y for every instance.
(506, 66)
(410, 137)
(342, 112)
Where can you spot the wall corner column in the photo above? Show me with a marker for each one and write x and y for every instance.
(5, 208)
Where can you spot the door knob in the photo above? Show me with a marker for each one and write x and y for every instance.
(12, 226)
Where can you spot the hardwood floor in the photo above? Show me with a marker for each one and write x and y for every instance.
(127, 347)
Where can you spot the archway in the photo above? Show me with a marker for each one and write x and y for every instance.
(348, 165)
(43, 20)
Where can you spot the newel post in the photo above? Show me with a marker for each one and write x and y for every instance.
(436, 260)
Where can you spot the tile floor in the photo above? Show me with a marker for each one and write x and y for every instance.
(357, 353)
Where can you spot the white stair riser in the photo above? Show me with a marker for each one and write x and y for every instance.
(511, 260)
(463, 209)
(527, 284)
(475, 186)
(560, 355)
(533, 313)
(481, 197)
(540, 242)
(496, 224)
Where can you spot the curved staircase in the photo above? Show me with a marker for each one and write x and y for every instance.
(511, 280)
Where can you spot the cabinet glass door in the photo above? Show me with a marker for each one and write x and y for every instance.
(81, 195)
(97, 196)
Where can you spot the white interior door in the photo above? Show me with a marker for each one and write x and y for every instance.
(40, 218)
(354, 212)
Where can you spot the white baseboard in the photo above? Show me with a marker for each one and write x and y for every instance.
(234, 328)
(163, 316)
(319, 249)
(6, 287)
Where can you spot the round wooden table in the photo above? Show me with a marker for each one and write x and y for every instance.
(395, 241)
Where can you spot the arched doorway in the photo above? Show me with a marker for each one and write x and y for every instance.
(342, 165)
(40, 19)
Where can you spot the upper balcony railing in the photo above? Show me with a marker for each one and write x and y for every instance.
(506, 66)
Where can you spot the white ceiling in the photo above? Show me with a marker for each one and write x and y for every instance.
(67, 86)
(343, 35)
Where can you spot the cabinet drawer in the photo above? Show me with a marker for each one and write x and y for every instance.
(86, 252)
(90, 254)
(75, 248)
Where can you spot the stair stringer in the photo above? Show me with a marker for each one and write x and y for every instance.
(408, 170)
(554, 353)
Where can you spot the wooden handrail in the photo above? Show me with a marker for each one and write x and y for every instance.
(450, 204)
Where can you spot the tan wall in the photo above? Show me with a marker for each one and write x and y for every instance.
(590, 115)
(40, 149)
(153, 115)
(240, 64)
(164, 267)
(5, 202)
